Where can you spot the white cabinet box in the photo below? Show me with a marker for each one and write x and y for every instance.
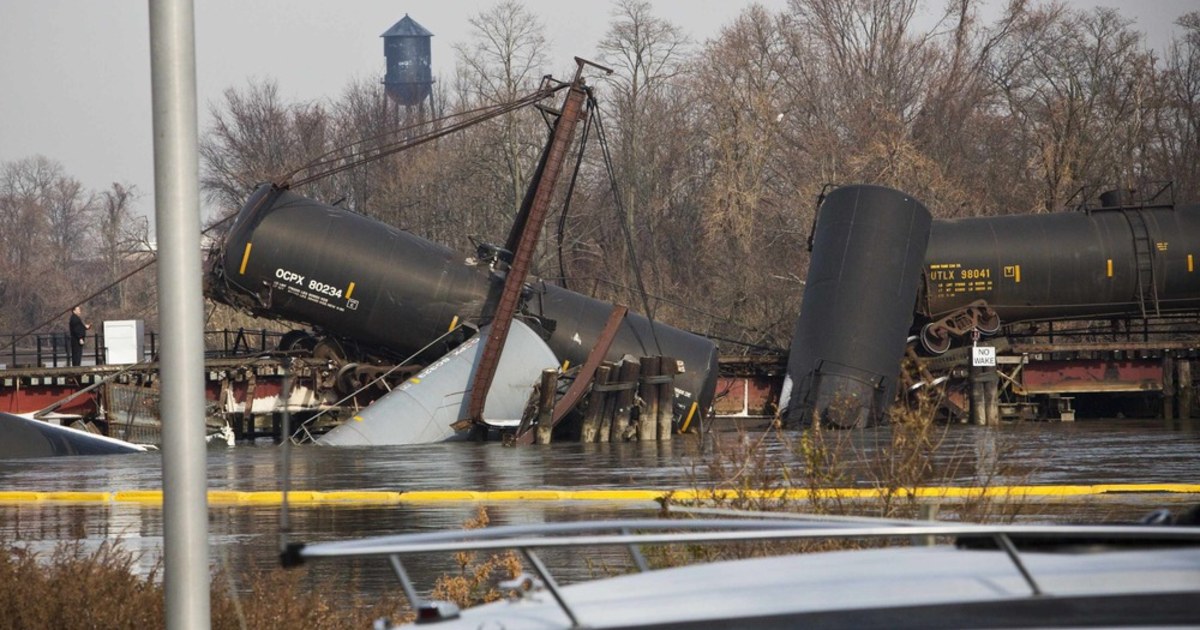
(124, 341)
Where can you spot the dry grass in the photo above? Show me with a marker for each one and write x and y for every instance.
(103, 588)
(911, 453)
(290, 598)
(74, 588)
(475, 582)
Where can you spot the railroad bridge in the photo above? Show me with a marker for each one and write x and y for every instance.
(244, 385)
(1047, 373)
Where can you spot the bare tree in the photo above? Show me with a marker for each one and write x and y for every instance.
(752, 213)
(25, 190)
(502, 60)
(966, 163)
(1076, 88)
(365, 119)
(743, 111)
(869, 44)
(60, 242)
(258, 138)
(69, 212)
(122, 238)
(41, 230)
(504, 56)
(644, 113)
(1175, 149)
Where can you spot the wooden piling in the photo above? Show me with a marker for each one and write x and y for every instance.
(666, 399)
(648, 419)
(1186, 390)
(978, 413)
(610, 403)
(247, 416)
(546, 405)
(985, 402)
(991, 396)
(1168, 390)
(223, 397)
(593, 419)
(628, 375)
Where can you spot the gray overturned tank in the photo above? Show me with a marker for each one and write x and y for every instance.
(22, 437)
(868, 249)
(423, 409)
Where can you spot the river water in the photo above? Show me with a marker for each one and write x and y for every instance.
(247, 536)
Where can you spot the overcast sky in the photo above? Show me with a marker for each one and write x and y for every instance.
(75, 74)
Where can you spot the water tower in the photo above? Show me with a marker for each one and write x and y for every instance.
(409, 78)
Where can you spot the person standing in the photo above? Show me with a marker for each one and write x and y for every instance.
(78, 333)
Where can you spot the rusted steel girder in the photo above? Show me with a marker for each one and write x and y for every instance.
(1092, 376)
(506, 307)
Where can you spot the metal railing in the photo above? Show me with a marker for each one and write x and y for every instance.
(1166, 329)
(53, 349)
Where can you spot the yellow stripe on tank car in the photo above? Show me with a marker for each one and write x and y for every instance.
(245, 259)
(1017, 273)
(1109, 267)
(688, 421)
(349, 290)
(1190, 266)
(453, 324)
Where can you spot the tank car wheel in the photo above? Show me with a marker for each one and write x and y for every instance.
(296, 342)
(347, 380)
(935, 339)
(329, 349)
(988, 322)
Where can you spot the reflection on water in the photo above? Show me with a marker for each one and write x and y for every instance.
(1090, 452)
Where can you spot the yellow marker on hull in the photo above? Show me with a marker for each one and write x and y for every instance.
(691, 413)
(245, 259)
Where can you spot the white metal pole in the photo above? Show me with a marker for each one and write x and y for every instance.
(181, 313)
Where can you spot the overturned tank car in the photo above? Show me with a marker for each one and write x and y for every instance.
(374, 291)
